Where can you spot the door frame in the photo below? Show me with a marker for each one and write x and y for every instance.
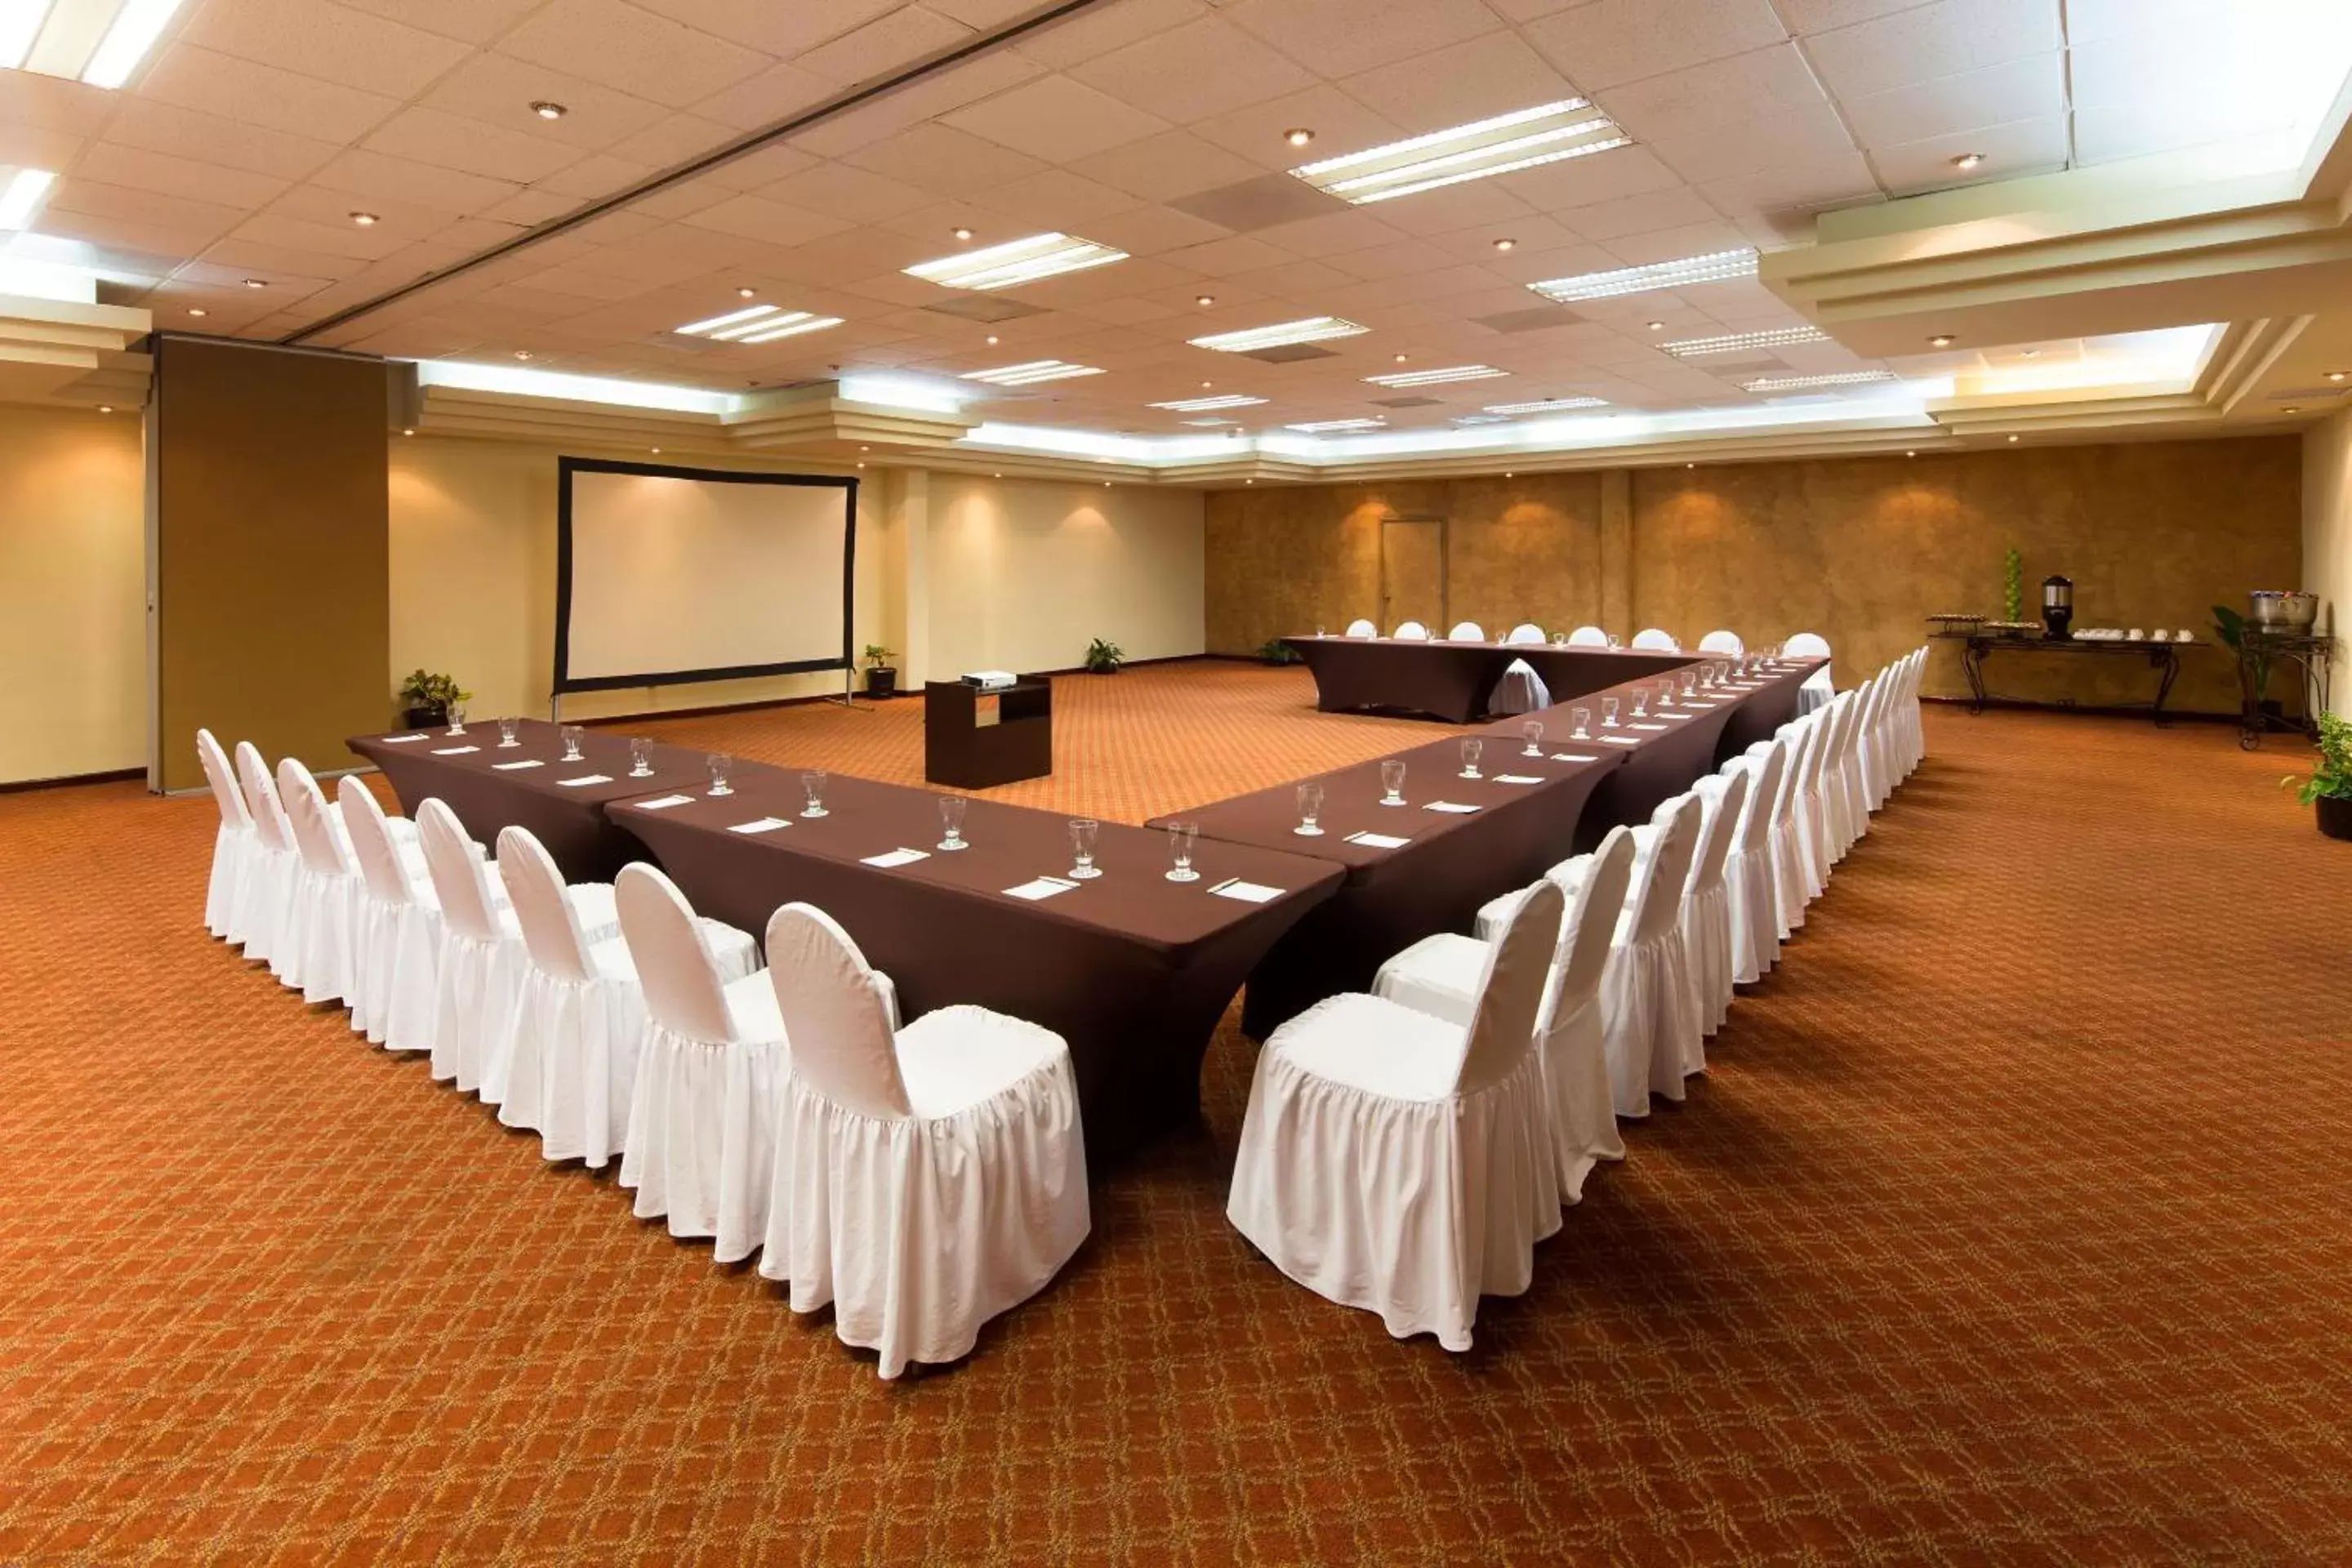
(1444, 569)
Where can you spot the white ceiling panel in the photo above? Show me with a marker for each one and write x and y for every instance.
(473, 21)
(1609, 43)
(1093, 33)
(859, 195)
(1471, 81)
(375, 179)
(1055, 118)
(1721, 96)
(1174, 164)
(257, 94)
(452, 141)
(1341, 124)
(1943, 38)
(632, 51)
(779, 30)
(2019, 148)
(499, 89)
(333, 43)
(883, 44)
(1192, 72)
(2033, 88)
(1340, 37)
(945, 161)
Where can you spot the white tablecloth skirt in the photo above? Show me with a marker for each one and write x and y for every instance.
(223, 893)
(1755, 912)
(1648, 1018)
(395, 959)
(476, 992)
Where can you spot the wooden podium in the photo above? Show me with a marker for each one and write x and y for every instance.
(974, 739)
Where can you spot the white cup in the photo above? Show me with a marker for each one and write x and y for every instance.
(2135, 635)
(2184, 635)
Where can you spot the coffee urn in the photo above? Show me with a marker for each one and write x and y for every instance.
(2057, 607)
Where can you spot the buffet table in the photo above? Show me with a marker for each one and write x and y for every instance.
(1975, 646)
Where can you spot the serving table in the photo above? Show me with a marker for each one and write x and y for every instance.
(1975, 646)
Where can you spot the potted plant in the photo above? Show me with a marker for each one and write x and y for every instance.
(425, 699)
(1104, 657)
(1276, 651)
(2328, 787)
(881, 674)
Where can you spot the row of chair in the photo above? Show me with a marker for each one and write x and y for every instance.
(1522, 690)
(1404, 1149)
(920, 1179)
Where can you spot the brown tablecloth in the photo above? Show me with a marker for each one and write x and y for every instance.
(1132, 969)
(1446, 680)
(1570, 672)
(487, 797)
(1395, 897)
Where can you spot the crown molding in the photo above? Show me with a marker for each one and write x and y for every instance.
(67, 352)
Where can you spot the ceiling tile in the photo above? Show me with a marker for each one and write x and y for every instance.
(632, 49)
(1098, 31)
(156, 127)
(768, 97)
(52, 103)
(36, 147)
(1201, 69)
(450, 141)
(1471, 81)
(374, 179)
(1610, 42)
(1341, 124)
(783, 31)
(1340, 37)
(1057, 199)
(1819, 15)
(137, 168)
(1792, 135)
(1174, 164)
(2019, 148)
(193, 78)
(475, 21)
(883, 44)
(857, 194)
(1990, 95)
(331, 43)
(1057, 119)
(1939, 39)
(499, 89)
(942, 159)
(1714, 96)
(1147, 231)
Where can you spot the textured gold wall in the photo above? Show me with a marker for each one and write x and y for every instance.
(1858, 549)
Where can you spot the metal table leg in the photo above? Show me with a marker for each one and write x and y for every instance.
(1972, 664)
(2166, 659)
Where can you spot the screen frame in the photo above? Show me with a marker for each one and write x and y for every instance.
(567, 467)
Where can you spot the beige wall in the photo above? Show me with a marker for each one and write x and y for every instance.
(1860, 550)
(2327, 535)
(73, 634)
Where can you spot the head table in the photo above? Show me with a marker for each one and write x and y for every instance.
(1455, 680)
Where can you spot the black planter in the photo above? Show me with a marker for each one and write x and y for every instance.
(2334, 815)
(425, 717)
(881, 680)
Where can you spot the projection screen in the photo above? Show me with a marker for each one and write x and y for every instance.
(668, 574)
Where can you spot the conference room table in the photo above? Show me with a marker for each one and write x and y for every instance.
(490, 786)
(1455, 680)
(1133, 970)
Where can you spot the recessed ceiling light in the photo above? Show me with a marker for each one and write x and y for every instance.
(1439, 377)
(1799, 382)
(1298, 136)
(1910, 454)
(1203, 404)
(21, 197)
(960, 233)
(1657, 326)
(1400, 359)
(547, 109)
(2013, 438)
(1331, 427)
(790, 325)
(2290, 409)
(1572, 128)
(1031, 372)
(522, 354)
(1205, 298)
(992, 339)
(1506, 245)
(365, 220)
(1942, 340)
(106, 408)
(746, 293)
(2339, 375)
(1690, 465)
(1714, 268)
(1511, 475)
(1735, 343)
(409, 432)
(256, 283)
(1968, 160)
(1016, 262)
(1548, 406)
(198, 310)
(1308, 330)
(866, 448)
(656, 451)
(1206, 385)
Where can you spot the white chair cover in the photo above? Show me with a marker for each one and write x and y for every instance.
(1723, 642)
(1820, 685)
(1440, 975)
(1656, 641)
(274, 864)
(1525, 633)
(1413, 631)
(478, 973)
(1396, 1163)
(1811, 817)
(1749, 874)
(233, 844)
(1706, 900)
(1466, 631)
(1789, 888)
(1362, 630)
(395, 930)
(927, 1178)
(1587, 637)
(711, 1074)
(1647, 1015)
(324, 887)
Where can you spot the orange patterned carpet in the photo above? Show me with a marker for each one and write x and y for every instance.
(2009, 1226)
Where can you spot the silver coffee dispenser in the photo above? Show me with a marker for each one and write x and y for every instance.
(2057, 607)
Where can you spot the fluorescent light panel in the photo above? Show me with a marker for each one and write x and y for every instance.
(1017, 262)
(1548, 406)
(100, 42)
(1331, 427)
(1799, 383)
(1310, 329)
(1570, 128)
(790, 324)
(1778, 338)
(1437, 377)
(757, 324)
(1715, 268)
(22, 191)
(1031, 372)
(1203, 404)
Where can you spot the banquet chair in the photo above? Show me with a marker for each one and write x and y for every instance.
(1819, 686)
(1587, 637)
(1466, 631)
(1813, 814)
(1412, 631)
(1706, 900)
(1727, 643)
(1648, 1014)
(927, 1178)
(710, 1068)
(324, 886)
(1362, 630)
(1849, 810)
(1440, 975)
(1521, 690)
(1652, 640)
(573, 1065)
(396, 928)
(1400, 1164)
(1748, 873)
(1526, 634)
(1789, 887)
(477, 971)
(233, 845)
(272, 871)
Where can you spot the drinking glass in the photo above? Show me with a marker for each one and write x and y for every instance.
(1470, 750)
(1615, 641)
(951, 808)
(1690, 683)
(456, 713)
(1532, 731)
(1582, 727)
(813, 782)
(1318, 629)
(507, 727)
(1609, 712)
(571, 733)
(1391, 783)
(1641, 703)
(719, 764)
(641, 765)
(1559, 640)
(1665, 695)
(1082, 848)
(1180, 838)
(1310, 806)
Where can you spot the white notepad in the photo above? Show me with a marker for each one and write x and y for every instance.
(1619, 740)
(1452, 808)
(454, 750)
(1378, 840)
(510, 767)
(764, 824)
(894, 857)
(663, 803)
(1653, 728)
(584, 779)
(1516, 779)
(1677, 717)
(402, 740)
(1572, 757)
(1247, 893)
(1040, 888)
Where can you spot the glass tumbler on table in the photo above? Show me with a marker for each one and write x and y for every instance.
(1666, 694)
(952, 810)
(641, 765)
(1082, 830)
(1310, 807)
(1641, 703)
(720, 766)
(1532, 733)
(1392, 783)
(457, 715)
(1470, 750)
(1181, 837)
(1580, 724)
(1609, 712)
(506, 730)
(813, 785)
(571, 733)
